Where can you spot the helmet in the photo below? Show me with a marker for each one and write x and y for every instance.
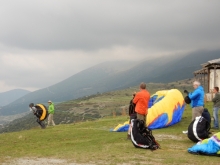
(31, 104)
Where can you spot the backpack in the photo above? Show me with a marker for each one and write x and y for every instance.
(187, 100)
(199, 129)
(207, 115)
(142, 137)
(132, 108)
(42, 112)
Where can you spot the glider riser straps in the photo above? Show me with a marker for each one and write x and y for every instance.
(43, 116)
(194, 129)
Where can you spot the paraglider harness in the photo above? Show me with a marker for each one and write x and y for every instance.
(142, 137)
(41, 113)
(199, 129)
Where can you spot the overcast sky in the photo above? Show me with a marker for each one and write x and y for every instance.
(51, 40)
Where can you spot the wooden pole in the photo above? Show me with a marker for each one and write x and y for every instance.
(208, 80)
(215, 76)
(195, 75)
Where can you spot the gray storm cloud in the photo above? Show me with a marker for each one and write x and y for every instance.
(95, 24)
(59, 38)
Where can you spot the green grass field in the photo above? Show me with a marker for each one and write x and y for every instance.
(92, 143)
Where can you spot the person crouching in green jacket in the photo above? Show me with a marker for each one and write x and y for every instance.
(51, 110)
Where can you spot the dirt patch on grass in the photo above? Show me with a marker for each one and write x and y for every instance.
(41, 161)
(167, 137)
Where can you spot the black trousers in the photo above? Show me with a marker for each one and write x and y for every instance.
(41, 123)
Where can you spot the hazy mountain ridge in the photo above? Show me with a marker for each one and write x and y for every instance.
(76, 86)
(116, 75)
(11, 96)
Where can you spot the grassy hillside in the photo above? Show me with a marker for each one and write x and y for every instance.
(116, 75)
(92, 143)
(93, 107)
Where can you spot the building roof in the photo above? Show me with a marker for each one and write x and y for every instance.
(211, 62)
(208, 65)
(216, 61)
(201, 71)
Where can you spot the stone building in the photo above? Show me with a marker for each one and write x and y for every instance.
(209, 76)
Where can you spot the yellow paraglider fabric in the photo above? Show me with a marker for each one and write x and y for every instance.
(121, 126)
(167, 109)
(43, 116)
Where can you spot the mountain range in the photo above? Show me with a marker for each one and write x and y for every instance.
(12, 95)
(115, 75)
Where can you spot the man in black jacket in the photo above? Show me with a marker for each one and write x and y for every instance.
(132, 114)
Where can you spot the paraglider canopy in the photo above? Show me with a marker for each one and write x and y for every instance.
(165, 109)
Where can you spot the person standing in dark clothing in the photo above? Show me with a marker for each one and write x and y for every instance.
(216, 107)
(132, 114)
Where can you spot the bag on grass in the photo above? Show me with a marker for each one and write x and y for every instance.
(142, 137)
(198, 129)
